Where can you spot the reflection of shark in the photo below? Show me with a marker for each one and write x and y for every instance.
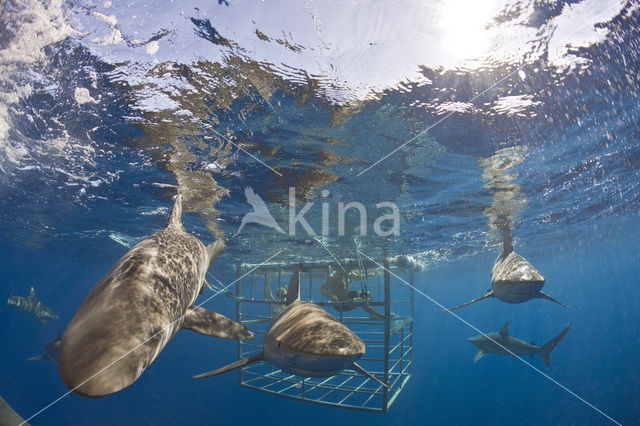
(305, 340)
(260, 213)
(51, 351)
(32, 305)
(513, 278)
(503, 344)
(137, 307)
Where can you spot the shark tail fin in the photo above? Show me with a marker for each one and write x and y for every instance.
(214, 249)
(490, 294)
(546, 349)
(9, 295)
(543, 295)
(369, 375)
(239, 363)
(42, 357)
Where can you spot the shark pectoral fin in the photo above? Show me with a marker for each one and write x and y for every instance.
(543, 295)
(205, 284)
(213, 324)
(42, 357)
(371, 376)
(239, 363)
(479, 355)
(490, 294)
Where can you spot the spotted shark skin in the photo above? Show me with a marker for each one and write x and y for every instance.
(305, 340)
(32, 305)
(137, 307)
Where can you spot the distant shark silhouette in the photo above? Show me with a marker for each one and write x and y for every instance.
(513, 278)
(51, 350)
(260, 213)
(32, 305)
(503, 344)
(305, 340)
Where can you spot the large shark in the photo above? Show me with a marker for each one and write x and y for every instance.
(303, 339)
(513, 278)
(137, 307)
(503, 344)
(32, 305)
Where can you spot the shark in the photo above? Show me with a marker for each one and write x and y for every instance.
(51, 350)
(513, 278)
(8, 416)
(137, 307)
(305, 340)
(504, 344)
(32, 305)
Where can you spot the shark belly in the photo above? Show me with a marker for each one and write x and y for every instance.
(310, 365)
(516, 291)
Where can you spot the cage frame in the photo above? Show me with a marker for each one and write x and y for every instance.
(396, 371)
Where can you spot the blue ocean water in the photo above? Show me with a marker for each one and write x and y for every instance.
(522, 109)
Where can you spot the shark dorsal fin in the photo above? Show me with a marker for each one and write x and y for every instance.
(504, 331)
(293, 292)
(175, 217)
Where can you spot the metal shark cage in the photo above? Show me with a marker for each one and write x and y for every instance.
(379, 310)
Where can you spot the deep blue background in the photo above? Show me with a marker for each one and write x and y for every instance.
(597, 359)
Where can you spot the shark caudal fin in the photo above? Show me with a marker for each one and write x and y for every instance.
(490, 294)
(239, 363)
(214, 249)
(369, 375)
(175, 217)
(293, 292)
(213, 324)
(543, 295)
(546, 349)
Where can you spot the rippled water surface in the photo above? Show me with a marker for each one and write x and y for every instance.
(462, 114)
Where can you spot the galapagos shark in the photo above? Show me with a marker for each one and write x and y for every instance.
(137, 307)
(503, 344)
(51, 350)
(513, 278)
(305, 340)
(32, 305)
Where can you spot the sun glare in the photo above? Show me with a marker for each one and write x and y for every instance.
(463, 24)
